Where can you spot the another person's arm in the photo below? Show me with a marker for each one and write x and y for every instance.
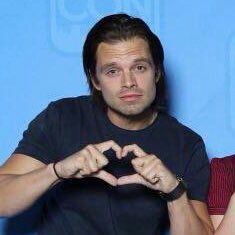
(224, 224)
(221, 198)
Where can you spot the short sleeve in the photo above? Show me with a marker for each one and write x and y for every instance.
(197, 173)
(221, 186)
(39, 140)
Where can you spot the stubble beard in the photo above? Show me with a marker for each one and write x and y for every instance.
(130, 111)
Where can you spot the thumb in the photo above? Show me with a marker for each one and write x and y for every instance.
(107, 177)
(131, 179)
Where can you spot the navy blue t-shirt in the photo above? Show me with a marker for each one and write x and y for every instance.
(90, 206)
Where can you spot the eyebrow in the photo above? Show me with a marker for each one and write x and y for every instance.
(113, 64)
(144, 59)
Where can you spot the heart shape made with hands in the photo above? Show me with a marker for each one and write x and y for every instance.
(140, 168)
(119, 167)
(130, 165)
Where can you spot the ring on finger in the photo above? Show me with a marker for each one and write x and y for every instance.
(155, 178)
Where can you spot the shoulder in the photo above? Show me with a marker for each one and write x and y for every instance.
(71, 102)
(65, 109)
(223, 168)
(223, 164)
(183, 132)
(71, 105)
(222, 175)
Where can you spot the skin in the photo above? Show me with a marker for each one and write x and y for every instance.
(126, 78)
(224, 224)
(126, 68)
(152, 173)
(29, 178)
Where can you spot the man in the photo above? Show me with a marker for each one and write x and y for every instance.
(113, 161)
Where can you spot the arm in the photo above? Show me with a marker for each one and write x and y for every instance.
(24, 179)
(216, 220)
(193, 214)
(189, 217)
(186, 216)
(225, 224)
(221, 197)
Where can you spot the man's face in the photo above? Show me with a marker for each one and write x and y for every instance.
(126, 76)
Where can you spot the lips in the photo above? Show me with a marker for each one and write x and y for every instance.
(130, 97)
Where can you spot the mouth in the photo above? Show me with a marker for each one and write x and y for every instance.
(130, 97)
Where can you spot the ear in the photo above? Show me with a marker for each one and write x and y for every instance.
(95, 83)
(157, 76)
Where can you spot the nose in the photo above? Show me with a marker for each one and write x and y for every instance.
(128, 80)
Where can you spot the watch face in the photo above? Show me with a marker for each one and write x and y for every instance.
(181, 180)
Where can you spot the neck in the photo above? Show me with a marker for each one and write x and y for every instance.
(133, 122)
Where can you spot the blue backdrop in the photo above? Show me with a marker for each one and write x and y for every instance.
(40, 61)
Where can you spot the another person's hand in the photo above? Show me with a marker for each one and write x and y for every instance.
(151, 171)
(88, 162)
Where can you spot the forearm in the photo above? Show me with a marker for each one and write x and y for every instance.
(227, 225)
(18, 192)
(184, 220)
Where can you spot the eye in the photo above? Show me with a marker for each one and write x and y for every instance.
(112, 72)
(140, 68)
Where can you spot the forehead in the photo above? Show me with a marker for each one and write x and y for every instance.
(125, 50)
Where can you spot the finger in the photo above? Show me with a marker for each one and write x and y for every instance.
(136, 179)
(140, 162)
(81, 161)
(79, 164)
(131, 179)
(86, 170)
(100, 158)
(78, 175)
(152, 177)
(149, 165)
(94, 163)
(107, 177)
(110, 144)
(133, 148)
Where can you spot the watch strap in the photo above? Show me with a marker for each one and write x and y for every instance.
(176, 192)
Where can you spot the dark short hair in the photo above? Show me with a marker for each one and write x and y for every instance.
(114, 28)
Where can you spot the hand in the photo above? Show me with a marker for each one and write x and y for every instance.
(151, 172)
(88, 162)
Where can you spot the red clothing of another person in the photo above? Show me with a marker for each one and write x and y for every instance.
(222, 184)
